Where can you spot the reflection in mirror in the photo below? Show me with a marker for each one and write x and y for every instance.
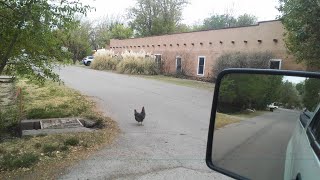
(257, 116)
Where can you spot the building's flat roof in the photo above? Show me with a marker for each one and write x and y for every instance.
(257, 24)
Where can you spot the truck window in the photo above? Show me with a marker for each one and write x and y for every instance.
(314, 126)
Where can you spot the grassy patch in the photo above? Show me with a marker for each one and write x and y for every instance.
(44, 156)
(249, 115)
(183, 82)
(50, 148)
(71, 141)
(54, 101)
(224, 119)
(8, 110)
(15, 161)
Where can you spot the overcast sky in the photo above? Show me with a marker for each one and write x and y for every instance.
(294, 79)
(196, 11)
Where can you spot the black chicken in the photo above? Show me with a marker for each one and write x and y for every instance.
(140, 116)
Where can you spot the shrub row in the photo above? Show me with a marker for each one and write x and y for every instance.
(126, 62)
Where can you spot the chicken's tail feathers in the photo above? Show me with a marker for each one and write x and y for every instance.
(143, 109)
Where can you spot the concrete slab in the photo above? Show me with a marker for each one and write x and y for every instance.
(55, 131)
(53, 126)
(60, 123)
(6, 79)
(33, 124)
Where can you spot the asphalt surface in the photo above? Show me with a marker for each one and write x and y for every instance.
(171, 144)
(256, 148)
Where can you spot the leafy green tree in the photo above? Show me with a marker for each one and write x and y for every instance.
(28, 35)
(101, 33)
(183, 28)
(311, 97)
(289, 95)
(300, 88)
(156, 17)
(77, 39)
(301, 19)
(218, 21)
(246, 20)
(241, 91)
(121, 32)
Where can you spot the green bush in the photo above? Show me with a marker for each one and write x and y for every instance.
(50, 148)
(258, 60)
(71, 141)
(9, 121)
(64, 148)
(11, 162)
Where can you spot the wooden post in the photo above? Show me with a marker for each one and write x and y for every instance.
(19, 98)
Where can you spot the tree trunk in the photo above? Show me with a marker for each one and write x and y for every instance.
(2, 66)
(6, 57)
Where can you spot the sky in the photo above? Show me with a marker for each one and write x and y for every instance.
(196, 11)
(294, 79)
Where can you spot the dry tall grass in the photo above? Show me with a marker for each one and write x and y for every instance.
(138, 63)
(105, 60)
(127, 62)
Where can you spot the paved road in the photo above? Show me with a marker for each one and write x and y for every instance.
(172, 142)
(170, 145)
(256, 148)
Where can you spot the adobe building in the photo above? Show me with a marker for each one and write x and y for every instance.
(196, 52)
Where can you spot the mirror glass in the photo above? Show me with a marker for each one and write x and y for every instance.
(260, 126)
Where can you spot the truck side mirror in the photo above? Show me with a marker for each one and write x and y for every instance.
(248, 140)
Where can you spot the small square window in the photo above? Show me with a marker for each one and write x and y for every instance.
(275, 63)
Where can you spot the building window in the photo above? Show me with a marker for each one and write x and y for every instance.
(275, 63)
(178, 64)
(158, 59)
(201, 65)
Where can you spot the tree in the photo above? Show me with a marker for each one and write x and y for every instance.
(183, 28)
(121, 32)
(227, 20)
(28, 35)
(156, 17)
(219, 21)
(238, 92)
(101, 32)
(109, 27)
(289, 95)
(246, 20)
(300, 88)
(301, 19)
(311, 96)
(77, 39)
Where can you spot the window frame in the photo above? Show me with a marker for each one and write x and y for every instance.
(276, 60)
(155, 55)
(204, 65)
(177, 63)
(314, 142)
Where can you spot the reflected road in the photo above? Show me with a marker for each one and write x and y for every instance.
(255, 148)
